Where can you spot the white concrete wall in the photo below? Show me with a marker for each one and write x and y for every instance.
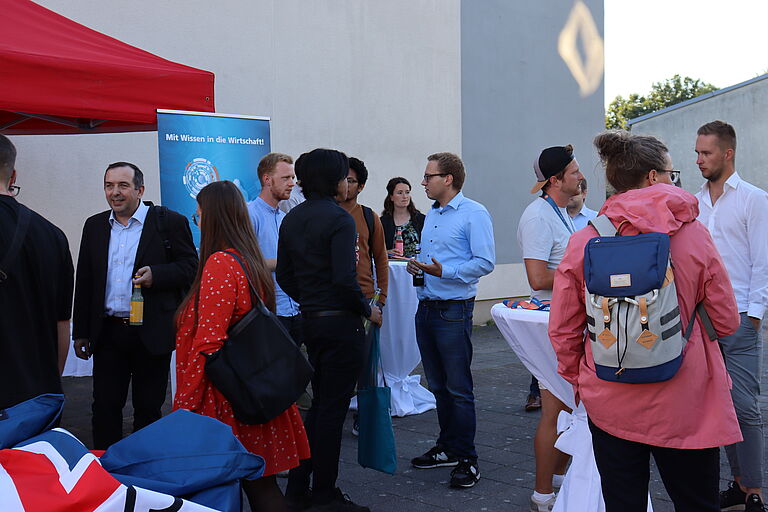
(743, 107)
(378, 80)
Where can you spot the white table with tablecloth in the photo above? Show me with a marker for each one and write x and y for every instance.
(526, 333)
(399, 351)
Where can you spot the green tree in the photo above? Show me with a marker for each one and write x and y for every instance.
(663, 94)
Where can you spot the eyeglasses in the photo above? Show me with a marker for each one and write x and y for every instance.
(14, 190)
(428, 176)
(674, 174)
(195, 219)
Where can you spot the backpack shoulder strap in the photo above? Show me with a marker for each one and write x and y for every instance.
(162, 227)
(705, 322)
(368, 215)
(603, 225)
(25, 214)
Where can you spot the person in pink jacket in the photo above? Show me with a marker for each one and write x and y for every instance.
(682, 421)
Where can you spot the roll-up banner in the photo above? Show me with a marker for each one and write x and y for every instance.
(198, 148)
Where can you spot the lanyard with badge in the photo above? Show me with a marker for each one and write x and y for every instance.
(552, 203)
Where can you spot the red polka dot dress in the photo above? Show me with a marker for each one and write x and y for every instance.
(224, 299)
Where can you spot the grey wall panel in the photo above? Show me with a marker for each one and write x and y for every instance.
(518, 97)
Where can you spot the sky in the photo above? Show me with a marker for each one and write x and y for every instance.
(647, 41)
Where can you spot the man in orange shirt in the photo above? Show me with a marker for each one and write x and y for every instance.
(371, 248)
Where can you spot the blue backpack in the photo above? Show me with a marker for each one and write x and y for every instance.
(633, 316)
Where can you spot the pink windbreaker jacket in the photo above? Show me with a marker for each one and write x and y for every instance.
(694, 408)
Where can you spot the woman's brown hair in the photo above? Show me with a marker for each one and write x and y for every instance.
(629, 158)
(225, 224)
(389, 206)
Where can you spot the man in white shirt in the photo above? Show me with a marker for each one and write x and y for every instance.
(580, 214)
(543, 234)
(736, 214)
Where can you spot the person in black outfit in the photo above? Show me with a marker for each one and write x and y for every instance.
(399, 211)
(131, 239)
(36, 280)
(316, 263)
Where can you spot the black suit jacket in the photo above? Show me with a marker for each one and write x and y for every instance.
(173, 271)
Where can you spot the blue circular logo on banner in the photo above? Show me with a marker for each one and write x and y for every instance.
(199, 173)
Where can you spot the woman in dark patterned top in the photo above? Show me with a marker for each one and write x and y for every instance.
(399, 212)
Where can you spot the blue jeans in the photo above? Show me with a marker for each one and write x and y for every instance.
(443, 333)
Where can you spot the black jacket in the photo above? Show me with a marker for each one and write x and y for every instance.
(173, 270)
(316, 264)
(388, 222)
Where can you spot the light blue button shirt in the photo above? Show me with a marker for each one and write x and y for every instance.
(123, 243)
(582, 218)
(460, 237)
(266, 223)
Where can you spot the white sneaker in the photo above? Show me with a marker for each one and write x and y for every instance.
(542, 507)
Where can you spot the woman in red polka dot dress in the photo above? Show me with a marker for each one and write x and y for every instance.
(218, 298)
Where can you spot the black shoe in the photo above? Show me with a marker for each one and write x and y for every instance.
(754, 504)
(339, 503)
(733, 498)
(436, 457)
(465, 474)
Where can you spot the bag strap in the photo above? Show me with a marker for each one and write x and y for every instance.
(25, 214)
(374, 361)
(162, 227)
(603, 225)
(247, 277)
(368, 216)
(705, 322)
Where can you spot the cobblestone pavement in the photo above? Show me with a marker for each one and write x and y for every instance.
(504, 443)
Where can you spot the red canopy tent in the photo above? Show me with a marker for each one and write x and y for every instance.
(57, 76)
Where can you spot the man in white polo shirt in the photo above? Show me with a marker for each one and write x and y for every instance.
(543, 234)
(736, 214)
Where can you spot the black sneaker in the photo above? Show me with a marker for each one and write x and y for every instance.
(339, 503)
(436, 457)
(733, 498)
(465, 474)
(754, 504)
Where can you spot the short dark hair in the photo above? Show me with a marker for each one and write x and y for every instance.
(7, 157)
(138, 176)
(358, 166)
(450, 163)
(268, 163)
(723, 131)
(321, 171)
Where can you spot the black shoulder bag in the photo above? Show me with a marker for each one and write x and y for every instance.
(260, 370)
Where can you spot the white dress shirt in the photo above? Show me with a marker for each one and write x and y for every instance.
(738, 222)
(123, 243)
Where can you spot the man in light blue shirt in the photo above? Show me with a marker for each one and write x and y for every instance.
(277, 178)
(577, 209)
(458, 241)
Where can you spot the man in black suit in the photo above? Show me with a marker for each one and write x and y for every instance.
(155, 245)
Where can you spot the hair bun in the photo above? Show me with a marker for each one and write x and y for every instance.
(612, 143)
